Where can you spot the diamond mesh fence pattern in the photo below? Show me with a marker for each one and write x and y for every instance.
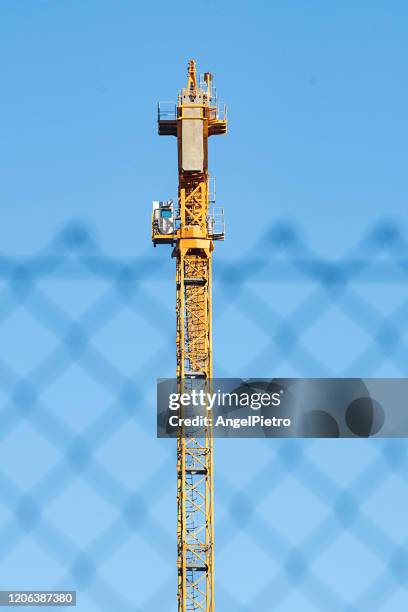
(87, 493)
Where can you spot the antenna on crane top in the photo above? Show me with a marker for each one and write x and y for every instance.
(192, 77)
(208, 82)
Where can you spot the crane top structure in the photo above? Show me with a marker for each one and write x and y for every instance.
(192, 227)
(194, 118)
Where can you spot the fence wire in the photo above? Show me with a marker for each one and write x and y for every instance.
(87, 494)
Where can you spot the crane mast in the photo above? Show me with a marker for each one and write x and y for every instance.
(192, 227)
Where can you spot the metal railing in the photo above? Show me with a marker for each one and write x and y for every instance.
(215, 223)
(166, 111)
(211, 189)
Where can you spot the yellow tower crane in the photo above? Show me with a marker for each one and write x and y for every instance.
(191, 227)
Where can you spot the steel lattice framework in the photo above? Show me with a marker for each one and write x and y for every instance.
(192, 229)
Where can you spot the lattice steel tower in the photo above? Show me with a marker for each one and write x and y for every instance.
(191, 227)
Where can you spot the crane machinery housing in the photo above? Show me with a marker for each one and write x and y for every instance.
(191, 226)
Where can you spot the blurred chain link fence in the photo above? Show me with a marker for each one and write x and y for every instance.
(87, 494)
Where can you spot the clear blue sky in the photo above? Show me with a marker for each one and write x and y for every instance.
(317, 95)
